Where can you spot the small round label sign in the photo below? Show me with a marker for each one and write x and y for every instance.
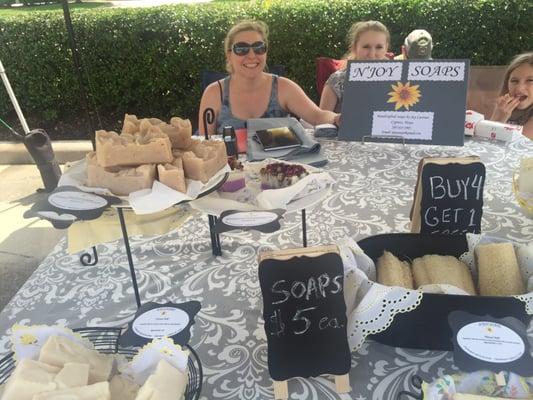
(490, 342)
(76, 201)
(250, 218)
(159, 322)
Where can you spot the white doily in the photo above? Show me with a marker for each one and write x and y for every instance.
(377, 310)
(524, 255)
(370, 307)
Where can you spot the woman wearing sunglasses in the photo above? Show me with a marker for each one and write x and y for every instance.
(250, 92)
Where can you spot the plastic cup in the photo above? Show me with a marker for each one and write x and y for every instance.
(242, 137)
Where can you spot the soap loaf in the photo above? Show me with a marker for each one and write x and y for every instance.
(436, 269)
(204, 159)
(114, 150)
(173, 174)
(59, 350)
(29, 378)
(393, 272)
(179, 132)
(498, 270)
(121, 181)
(131, 124)
(97, 391)
(166, 382)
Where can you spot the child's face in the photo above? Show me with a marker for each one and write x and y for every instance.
(521, 85)
(372, 45)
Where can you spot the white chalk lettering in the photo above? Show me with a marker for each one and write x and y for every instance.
(336, 282)
(431, 221)
(298, 317)
(285, 293)
(439, 186)
(294, 288)
(472, 216)
(465, 188)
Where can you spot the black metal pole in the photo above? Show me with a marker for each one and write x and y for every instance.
(304, 228)
(78, 66)
(130, 258)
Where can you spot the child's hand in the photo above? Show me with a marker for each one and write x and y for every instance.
(505, 105)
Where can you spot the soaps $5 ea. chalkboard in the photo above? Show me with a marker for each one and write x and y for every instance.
(304, 312)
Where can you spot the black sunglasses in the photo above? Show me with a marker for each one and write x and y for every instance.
(243, 48)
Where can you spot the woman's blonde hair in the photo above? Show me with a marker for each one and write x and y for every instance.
(518, 61)
(244, 26)
(357, 29)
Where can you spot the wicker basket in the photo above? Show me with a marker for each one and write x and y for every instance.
(105, 340)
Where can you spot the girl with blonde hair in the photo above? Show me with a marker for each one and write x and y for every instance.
(367, 40)
(515, 104)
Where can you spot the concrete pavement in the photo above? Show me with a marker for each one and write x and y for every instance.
(24, 243)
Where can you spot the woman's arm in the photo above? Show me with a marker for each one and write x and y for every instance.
(504, 107)
(293, 99)
(210, 99)
(329, 99)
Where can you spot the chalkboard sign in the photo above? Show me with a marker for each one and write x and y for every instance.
(451, 196)
(419, 101)
(304, 313)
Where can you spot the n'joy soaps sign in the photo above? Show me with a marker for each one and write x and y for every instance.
(420, 101)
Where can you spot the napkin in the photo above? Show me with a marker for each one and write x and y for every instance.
(308, 153)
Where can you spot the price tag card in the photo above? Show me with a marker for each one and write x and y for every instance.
(266, 221)
(67, 204)
(153, 320)
(484, 342)
(304, 312)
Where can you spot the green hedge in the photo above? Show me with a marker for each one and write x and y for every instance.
(8, 3)
(148, 61)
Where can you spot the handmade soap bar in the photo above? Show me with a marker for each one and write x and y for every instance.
(119, 180)
(59, 350)
(498, 270)
(436, 269)
(204, 159)
(98, 391)
(179, 132)
(72, 375)
(166, 383)
(29, 378)
(151, 147)
(122, 388)
(393, 272)
(173, 175)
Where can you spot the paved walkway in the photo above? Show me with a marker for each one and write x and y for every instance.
(24, 243)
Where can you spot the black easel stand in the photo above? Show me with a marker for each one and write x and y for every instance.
(128, 253)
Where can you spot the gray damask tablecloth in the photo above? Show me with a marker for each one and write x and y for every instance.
(373, 195)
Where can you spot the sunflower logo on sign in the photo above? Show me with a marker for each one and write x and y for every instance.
(404, 95)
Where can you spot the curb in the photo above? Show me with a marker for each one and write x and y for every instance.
(64, 150)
